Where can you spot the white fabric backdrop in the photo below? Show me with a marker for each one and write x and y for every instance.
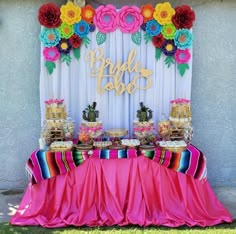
(74, 84)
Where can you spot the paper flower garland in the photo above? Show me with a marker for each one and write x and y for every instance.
(66, 29)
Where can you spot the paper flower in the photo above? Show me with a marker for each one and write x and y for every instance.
(184, 17)
(168, 47)
(183, 39)
(92, 27)
(51, 54)
(182, 56)
(163, 13)
(79, 3)
(153, 28)
(168, 31)
(70, 13)
(82, 29)
(147, 12)
(66, 30)
(105, 18)
(50, 37)
(130, 19)
(158, 40)
(64, 46)
(75, 41)
(87, 13)
(49, 15)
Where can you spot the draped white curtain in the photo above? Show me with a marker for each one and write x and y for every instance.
(78, 88)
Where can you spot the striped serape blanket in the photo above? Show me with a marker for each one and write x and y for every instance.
(190, 162)
(46, 164)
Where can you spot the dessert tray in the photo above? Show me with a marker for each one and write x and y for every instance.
(130, 142)
(173, 146)
(61, 146)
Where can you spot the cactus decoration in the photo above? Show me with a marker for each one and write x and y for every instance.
(144, 113)
(90, 113)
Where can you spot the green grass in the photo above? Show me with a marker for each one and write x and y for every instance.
(6, 228)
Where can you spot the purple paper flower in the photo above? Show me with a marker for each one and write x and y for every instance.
(168, 47)
(64, 46)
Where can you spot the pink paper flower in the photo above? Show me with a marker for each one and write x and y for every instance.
(51, 54)
(130, 19)
(182, 56)
(106, 18)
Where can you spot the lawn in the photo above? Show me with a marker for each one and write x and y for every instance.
(6, 228)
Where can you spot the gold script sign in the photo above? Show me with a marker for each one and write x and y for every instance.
(102, 67)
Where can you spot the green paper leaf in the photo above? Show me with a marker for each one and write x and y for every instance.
(136, 38)
(76, 53)
(169, 60)
(101, 38)
(66, 58)
(158, 53)
(182, 67)
(50, 66)
(147, 38)
(86, 41)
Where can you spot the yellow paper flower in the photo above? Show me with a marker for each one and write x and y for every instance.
(70, 13)
(163, 13)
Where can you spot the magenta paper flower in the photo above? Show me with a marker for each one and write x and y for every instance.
(130, 19)
(51, 54)
(182, 56)
(105, 18)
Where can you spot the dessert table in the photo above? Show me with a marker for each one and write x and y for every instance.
(129, 188)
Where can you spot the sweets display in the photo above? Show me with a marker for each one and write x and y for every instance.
(143, 129)
(92, 129)
(57, 127)
(61, 145)
(173, 146)
(180, 114)
(130, 142)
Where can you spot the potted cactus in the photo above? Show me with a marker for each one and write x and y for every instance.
(144, 113)
(90, 113)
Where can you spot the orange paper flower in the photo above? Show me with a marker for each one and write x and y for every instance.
(87, 13)
(147, 12)
(163, 13)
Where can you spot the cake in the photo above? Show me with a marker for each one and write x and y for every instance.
(93, 129)
(143, 129)
(180, 113)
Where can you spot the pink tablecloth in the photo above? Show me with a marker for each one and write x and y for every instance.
(120, 192)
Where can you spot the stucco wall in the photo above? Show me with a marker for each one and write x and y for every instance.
(213, 89)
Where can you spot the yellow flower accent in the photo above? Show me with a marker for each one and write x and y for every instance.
(163, 13)
(64, 46)
(70, 13)
(169, 47)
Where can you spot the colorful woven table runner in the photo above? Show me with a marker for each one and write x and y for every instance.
(46, 164)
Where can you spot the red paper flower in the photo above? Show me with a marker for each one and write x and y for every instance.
(49, 15)
(184, 17)
(75, 41)
(158, 40)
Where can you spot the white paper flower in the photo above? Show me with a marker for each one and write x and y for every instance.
(79, 3)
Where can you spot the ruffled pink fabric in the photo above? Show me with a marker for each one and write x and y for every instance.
(120, 192)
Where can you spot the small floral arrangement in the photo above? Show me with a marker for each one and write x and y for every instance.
(54, 101)
(180, 101)
(66, 29)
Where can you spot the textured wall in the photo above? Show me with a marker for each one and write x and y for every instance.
(19, 92)
(213, 100)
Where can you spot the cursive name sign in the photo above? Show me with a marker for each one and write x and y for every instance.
(103, 68)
